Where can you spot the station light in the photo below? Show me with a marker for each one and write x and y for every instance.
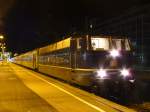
(1, 37)
(3, 47)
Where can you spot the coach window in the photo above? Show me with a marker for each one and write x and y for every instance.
(79, 43)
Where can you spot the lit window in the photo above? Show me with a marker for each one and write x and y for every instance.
(79, 40)
(117, 44)
(127, 45)
(120, 44)
(100, 43)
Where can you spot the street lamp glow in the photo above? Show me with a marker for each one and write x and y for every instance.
(1, 36)
(3, 47)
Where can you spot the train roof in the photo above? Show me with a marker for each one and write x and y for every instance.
(66, 43)
(56, 46)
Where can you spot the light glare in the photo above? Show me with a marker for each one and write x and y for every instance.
(125, 72)
(1, 36)
(114, 53)
(101, 73)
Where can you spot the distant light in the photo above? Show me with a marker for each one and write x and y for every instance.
(114, 53)
(91, 26)
(1, 36)
(3, 47)
(10, 60)
(15, 54)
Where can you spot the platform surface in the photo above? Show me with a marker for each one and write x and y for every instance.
(24, 90)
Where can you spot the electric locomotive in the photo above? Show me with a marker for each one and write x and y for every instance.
(99, 62)
(89, 61)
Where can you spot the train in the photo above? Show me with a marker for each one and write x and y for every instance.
(85, 60)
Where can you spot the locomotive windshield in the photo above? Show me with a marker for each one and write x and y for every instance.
(120, 44)
(107, 44)
(100, 43)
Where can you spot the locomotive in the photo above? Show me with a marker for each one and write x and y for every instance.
(85, 60)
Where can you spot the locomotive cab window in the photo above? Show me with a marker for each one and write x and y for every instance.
(100, 43)
(121, 44)
(81, 44)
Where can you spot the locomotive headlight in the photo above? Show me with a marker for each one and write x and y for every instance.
(101, 73)
(114, 53)
(125, 72)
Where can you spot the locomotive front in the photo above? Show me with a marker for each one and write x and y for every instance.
(112, 59)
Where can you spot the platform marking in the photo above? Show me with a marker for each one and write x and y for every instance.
(83, 101)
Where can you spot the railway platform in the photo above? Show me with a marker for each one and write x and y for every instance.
(23, 90)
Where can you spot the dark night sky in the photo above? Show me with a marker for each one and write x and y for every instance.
(34, 23)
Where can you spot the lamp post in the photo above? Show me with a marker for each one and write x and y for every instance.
(2, 45)
(3, 49)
